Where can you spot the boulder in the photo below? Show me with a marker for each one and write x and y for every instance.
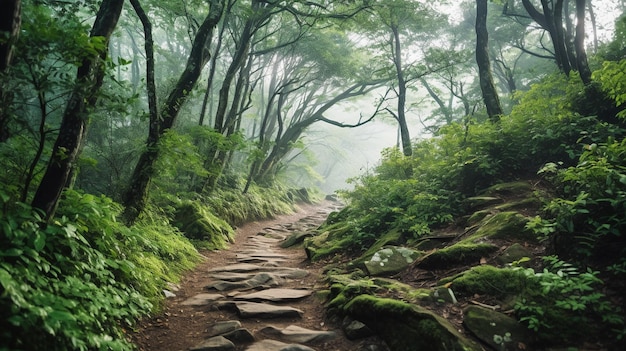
(355, 330)
(405, 326)
(216, 343)
(496, 329)
(513, 253)
(455, 255)
(390, 260)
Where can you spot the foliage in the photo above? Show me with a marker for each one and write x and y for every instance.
(396, 198)
(588, 218)
(612, 77)
(82, 279)
(561, 298)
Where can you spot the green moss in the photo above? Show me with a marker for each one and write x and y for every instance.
(477, 202)
(198, 223)
(405, 326)
(504, 225)
(478, 216)
(457, 254)
(488, 280)
(391, 237)
(511, 188)
(522, 204)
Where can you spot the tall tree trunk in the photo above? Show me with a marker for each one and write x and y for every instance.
(10, 23)
(150, 83)
(579, 43)
(407, 149)
(490, 95)
(75, 117)
(136, 195)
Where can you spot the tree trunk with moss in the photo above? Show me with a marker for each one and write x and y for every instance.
(75, 117)
(136, 195)
(490, 95)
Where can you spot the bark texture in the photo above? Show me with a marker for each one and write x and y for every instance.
(75, 117)
(136, 195)
(490, 95)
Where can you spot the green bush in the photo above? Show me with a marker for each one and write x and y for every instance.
(560, 299)
(78, 282)
(58, 291)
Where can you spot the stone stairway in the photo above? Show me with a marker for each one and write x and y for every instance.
(260, 299)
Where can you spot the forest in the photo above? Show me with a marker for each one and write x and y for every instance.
(135, 134)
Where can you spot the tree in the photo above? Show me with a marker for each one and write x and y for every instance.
(490, 95)
(396, 27)
(10, 19)
(136, 194)
(567, 55)
(73, 129)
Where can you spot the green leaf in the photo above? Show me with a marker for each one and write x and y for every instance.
(40, 241)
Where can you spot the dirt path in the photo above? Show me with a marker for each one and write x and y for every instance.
(254, 258)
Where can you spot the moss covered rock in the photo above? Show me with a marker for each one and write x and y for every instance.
(455, 255)
(390, 260)
(505, 225)
(497, 330)
(481, 202)
(197, 222)
(488, 280)
(405, 326)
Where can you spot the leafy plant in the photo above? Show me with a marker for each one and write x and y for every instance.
(561, 298)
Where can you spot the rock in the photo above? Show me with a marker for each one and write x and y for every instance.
(513, 253)
(297, 334)
(456, 255)
(224, 327)
(263, 310)
(237, 268)
(258, 280)
(390, 260)
(355, 329)
(273, 345)
(500, 283)
(276, 295)
(479, 202)
(240, 335)
(168, 294)
(202, 299)
(405, 326)
(505, 225)
(496, 329)
(216, 343)
(295, 238)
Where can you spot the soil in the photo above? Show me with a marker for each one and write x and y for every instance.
(180, 327)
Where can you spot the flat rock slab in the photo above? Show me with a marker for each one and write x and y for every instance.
(262, 310)
(238, 268)
(273, 345)
(259, 280)
(274, 262)
(216, 343)
(224, 327)
(283, 272)
(297, 334)
(261, 253)
(275, 295)
(202, 299)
